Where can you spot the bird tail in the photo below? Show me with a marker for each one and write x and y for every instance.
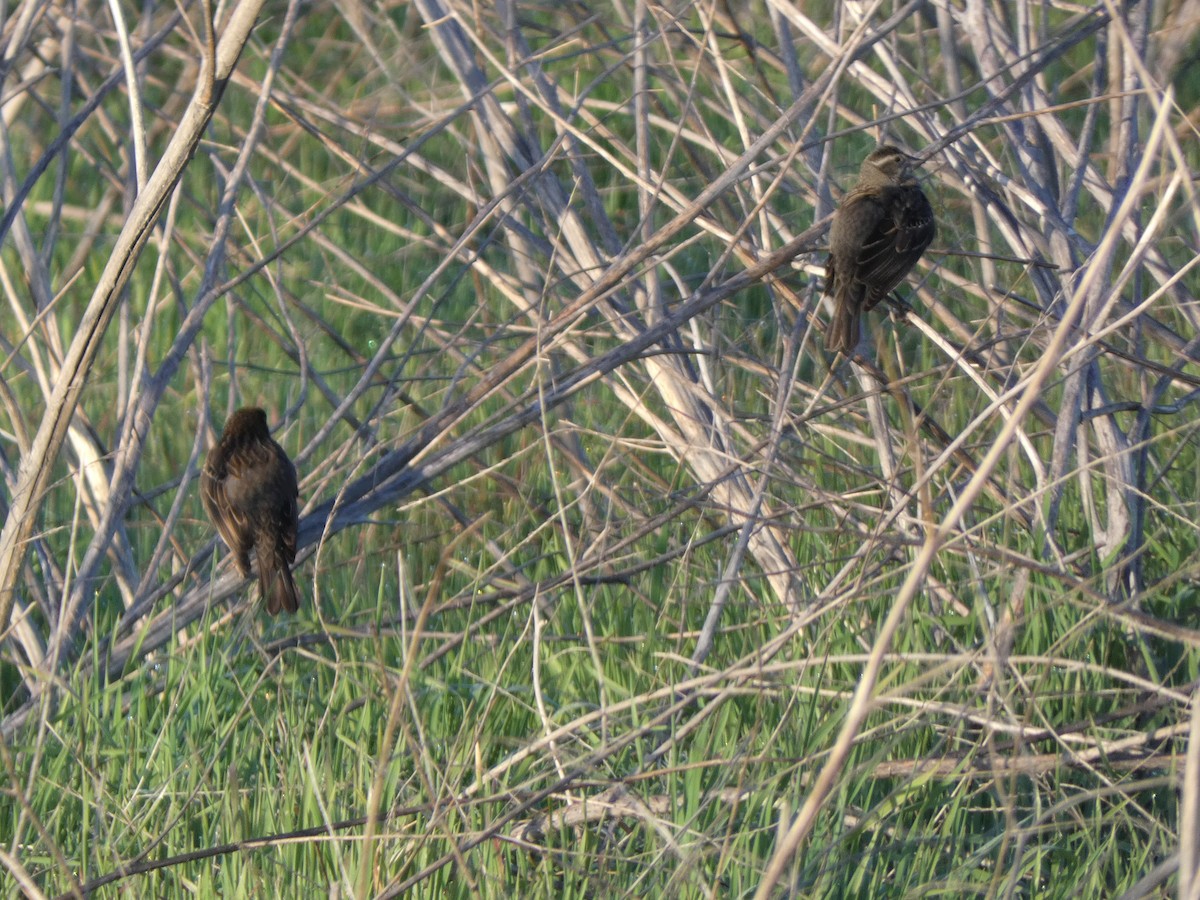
(275, 582)
(842, 335)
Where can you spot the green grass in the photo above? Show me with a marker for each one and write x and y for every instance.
(223, 741)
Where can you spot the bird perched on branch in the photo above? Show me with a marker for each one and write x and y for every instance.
(879, 232)
(250, 492)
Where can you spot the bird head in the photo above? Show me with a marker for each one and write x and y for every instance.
(247, 424)
(888, 164)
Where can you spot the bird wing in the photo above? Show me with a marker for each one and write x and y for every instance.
(289, 488)
(216, 504)
(856, 223)
(897, 242)
(230, 487)
(915, 225)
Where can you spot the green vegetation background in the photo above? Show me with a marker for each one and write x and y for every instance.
(457, 670)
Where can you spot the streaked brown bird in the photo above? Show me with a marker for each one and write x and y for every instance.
(250, 492)
(879, 231)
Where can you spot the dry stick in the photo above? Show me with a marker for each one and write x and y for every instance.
(136, 117)
(700, 439)
(34, 475)
(932, 427)
(402, 462)
(512, 598)
(574, 310)
(1189, 813)
(91, 482)
(16, 202)
(707, 636)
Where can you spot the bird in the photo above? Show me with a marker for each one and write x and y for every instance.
(250, 492)
(879, 231)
